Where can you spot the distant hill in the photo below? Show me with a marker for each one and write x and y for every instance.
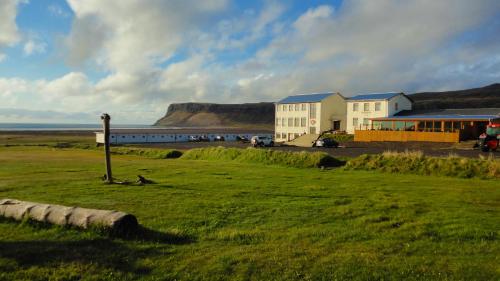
(485, 97)
(261, 115)
(246, 115)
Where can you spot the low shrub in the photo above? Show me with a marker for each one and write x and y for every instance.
(264, 156)
(416, 162)
(339, 137)
(147, 152)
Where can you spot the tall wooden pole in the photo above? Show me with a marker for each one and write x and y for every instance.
(105, 123)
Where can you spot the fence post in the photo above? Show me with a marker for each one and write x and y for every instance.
(105, 123)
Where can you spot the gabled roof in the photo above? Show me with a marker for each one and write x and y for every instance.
(306, 98)
(374, 96)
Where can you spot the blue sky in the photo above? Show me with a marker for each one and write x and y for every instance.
(132, 58)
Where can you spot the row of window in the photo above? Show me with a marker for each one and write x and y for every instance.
(292, 107)
(355, 121)
(366, 106)
(291, 122)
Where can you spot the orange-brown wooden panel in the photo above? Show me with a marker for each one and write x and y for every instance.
(405, 136)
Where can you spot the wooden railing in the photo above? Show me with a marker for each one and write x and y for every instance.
(405, 136)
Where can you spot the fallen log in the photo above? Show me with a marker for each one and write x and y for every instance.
(115, 221)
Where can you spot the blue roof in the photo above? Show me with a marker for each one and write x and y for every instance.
(440, 117)
(374, 96)
(306, 98)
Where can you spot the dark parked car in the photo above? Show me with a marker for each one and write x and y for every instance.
(219, 138)
(326, 142)
(242, 139)
(203, 138)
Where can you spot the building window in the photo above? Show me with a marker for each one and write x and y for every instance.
(284, 107)
(277, 122)
(366, 106)
(290, 107)
(290, 122)
(312, 111)
(366, 121)
(396, 106)
(303, 121)
(278, 135)
(355, 106)
(377, 106)
(296, 122)
(283, 135)
(297, 107)
(354, 122)
(283, 122)
(304, 107)
(312, 130)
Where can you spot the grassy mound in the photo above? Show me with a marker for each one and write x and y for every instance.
(264, 156)
(416, 162)
(147, 152)
(339, 137)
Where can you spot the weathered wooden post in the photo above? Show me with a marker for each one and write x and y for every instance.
(105, 123)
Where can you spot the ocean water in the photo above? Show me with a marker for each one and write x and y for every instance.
(63, 127)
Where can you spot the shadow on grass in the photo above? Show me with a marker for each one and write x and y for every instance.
(142, 233)
(137, 233)
(102, 252)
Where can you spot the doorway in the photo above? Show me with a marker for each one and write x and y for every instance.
(336, 125)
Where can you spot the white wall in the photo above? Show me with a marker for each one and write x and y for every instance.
(387, 108)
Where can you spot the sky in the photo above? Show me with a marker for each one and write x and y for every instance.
(68, 61)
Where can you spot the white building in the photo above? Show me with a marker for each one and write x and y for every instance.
(309, 114)
(361, 108)
(129, 136)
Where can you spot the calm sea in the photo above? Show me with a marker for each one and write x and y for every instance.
(62, 127)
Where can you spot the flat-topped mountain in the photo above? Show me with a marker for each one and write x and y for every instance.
(255, 115)
(261, 115)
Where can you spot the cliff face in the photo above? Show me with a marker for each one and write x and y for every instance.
(261, 115)
(255, 115)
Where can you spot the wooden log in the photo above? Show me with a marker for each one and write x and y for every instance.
(119, 222)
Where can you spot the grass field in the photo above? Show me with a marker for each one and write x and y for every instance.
(217, 220)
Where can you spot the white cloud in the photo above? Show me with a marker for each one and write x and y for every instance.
(2, 57)
(32, 47)
(9, 34)
(57, 10)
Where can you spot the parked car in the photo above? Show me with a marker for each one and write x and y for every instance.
(261, 141)
(219, 138)
(194, 138)
(242, 139)
(326, 142)
(203, 138)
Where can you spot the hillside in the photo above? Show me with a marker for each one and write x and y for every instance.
(256, 115)
(261, 115)
(485, 97)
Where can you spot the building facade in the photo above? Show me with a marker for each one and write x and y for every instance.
(362, 108)
(309, 114)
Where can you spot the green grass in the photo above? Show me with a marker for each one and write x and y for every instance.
(263, 156)
(417, 163)
(227, 220)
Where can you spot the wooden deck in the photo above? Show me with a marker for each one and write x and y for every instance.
(405, 136)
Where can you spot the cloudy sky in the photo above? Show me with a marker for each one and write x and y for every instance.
(70, 60)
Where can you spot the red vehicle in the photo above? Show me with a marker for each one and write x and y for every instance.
(490, 140)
